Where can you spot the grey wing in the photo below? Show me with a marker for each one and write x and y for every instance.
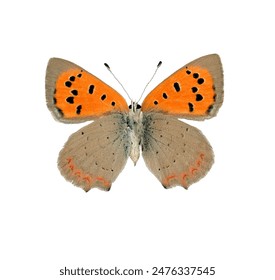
(96, 154)
(176, 153)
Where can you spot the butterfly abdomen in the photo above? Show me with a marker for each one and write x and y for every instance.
(135, 131)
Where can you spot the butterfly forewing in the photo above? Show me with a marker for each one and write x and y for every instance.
(96, 154)
(176, 153)
(75, 95)
(194, 92)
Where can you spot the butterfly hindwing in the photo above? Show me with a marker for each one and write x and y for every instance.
(193, 92)
(74, 95)
(96, 154)
(176, 153)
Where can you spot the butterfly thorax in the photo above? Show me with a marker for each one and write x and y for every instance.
(134, 126)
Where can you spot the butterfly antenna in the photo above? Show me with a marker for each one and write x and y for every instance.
(108, 67)
(159, 64)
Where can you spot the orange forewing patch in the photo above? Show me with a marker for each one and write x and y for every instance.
(79, 94)
(190, 91)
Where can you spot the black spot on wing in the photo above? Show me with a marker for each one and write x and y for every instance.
(78, 109)
(164, 95)
(68, 84)
(191, 107)
(200, 81)
(70, 99)
(194, 89)
(199, 97)
(91, 89)
(177, 86)
(74, 92)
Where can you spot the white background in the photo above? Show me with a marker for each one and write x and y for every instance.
(226, 220)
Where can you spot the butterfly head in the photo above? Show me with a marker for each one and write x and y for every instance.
(134, 107)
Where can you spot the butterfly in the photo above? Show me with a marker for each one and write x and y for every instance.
(178, 154)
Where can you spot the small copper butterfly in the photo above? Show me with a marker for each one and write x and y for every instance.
(176, 153)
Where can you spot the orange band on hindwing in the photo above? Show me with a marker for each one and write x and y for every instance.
(185, 176)
(82, 179)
